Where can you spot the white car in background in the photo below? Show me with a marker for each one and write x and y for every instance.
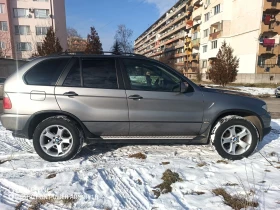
(277, 92)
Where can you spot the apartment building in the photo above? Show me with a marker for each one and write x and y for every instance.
(269, 48)
(166, 36)
(251, 27)
(24, 24)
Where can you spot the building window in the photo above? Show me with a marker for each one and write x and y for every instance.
(3, 26)
(22, 30)
(214, 44)
(206, 33)
(2, 8)
(217, 9)
(2, 45)
(42, 0)
(195, 36)
(208, 2)
(206, 16)
(41, 30)
(204, 48)
(24, 46)
(41, 13)
(204, 64)
(20, 13)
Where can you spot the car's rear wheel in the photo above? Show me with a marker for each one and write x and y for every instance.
(57, 139)
(235, 138)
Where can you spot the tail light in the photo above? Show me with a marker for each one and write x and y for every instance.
(7, 104)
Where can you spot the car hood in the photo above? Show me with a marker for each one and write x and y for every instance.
(213, 90)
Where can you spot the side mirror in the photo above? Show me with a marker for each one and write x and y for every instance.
(184, 87)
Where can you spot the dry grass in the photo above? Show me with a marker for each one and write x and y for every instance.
(37, 203)
(168, 178)
(235, 202)
(19, 205)
(138, 156)
(222, 161)
(69, 201)
(165, 163)
(231, 184)
(194, 193)
(201, 164)
(273, 154)
(51, 176)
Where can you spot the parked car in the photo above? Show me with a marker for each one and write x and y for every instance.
(2, 80)
(277, 92)
(64, 101)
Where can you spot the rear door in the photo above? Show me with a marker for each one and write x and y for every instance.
(92, 90)
(156, 106)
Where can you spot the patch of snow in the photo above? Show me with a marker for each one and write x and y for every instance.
(256, 90)
(105, 177)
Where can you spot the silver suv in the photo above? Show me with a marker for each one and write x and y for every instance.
(64, 101)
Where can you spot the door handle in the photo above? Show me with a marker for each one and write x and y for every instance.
(135, 97)
(70, 93)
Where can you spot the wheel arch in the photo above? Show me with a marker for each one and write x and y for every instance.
(248, 115)
(38, 117)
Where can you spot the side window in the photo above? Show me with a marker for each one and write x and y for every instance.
(99, 73)
(46, 72)
(73, 78)
(150, 76)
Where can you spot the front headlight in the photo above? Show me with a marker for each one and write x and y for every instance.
(264, 107)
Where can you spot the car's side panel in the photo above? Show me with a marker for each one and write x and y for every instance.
(163, 113)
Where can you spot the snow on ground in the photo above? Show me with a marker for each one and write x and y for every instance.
(251, 90)
(256, 90)
(106, 178)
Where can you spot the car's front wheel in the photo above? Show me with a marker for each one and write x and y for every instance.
(57, 139)
(235, 137)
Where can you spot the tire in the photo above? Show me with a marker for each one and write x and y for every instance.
(238, 146)
(63, 139)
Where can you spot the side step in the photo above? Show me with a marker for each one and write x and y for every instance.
(146, 137)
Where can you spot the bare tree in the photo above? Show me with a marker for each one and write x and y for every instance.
(72, 32)
(123, 36)
(7, 46)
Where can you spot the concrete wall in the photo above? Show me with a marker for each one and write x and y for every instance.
(9, 66)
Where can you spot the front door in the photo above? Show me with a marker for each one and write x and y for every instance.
(92, 92)
(156, 105)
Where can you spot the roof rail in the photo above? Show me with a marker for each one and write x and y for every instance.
(103, 53)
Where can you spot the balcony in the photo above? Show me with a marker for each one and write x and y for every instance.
(196, 15)
(195, 43)
(272, 27)
(271, 4)
(266, 50)
(215, 35)
(189, 24)
(197, 22)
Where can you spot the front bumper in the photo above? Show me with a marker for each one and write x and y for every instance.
(266, 131)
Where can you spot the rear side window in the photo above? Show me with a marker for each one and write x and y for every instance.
(99, 73)
(46, 72)
(73, 78)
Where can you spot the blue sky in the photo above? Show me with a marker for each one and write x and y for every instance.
(106, 15)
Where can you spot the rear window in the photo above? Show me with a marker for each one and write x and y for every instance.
(46, 72)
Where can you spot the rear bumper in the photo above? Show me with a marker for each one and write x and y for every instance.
(15, 123)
